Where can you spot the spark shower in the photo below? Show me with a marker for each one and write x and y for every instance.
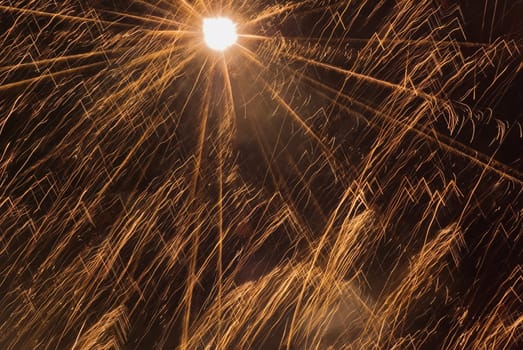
(345, 174)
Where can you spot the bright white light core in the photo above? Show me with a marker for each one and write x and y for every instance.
(219, 33)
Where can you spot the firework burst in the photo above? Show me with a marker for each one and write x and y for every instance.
(339, 174)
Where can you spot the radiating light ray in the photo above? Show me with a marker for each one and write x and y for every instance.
(338, 179)
(278, 10)
(58, 59)
(60, 16)
(149, 18)
(432, 135)
(442, 141)
(360, 41)
(296, 117)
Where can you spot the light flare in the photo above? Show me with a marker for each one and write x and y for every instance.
(219, 33)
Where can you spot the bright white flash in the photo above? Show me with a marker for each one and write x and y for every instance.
(219, 33)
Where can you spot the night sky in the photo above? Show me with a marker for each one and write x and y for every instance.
(349, 174)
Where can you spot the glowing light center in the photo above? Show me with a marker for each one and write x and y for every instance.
(219, 33)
